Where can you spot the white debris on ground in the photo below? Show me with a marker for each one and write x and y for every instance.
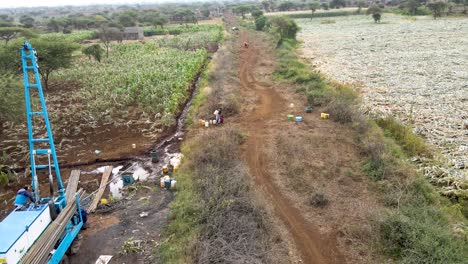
(140, 174)
(413, 68)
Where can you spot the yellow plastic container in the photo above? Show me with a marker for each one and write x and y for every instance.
(324, 115)
(104, 201)
(201, 122)
(176, 168)
(165, 169)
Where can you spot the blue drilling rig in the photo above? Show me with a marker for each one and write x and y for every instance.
(21, 230)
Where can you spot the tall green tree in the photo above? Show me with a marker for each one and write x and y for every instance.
(260, 23)
(286, 6)
(285, 26)
(360, 5)
(160, 21)
(266, 5)
(256, 13)
(9, 33)
(313, 6)
(206, 13)
(242, 10)
(53, 53)
(412, 6)
(376, 13)
(27, 21)
(437, 8)
(337, 4)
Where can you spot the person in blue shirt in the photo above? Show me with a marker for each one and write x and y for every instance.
(22, 197)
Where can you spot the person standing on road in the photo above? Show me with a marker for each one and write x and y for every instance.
(22, 196)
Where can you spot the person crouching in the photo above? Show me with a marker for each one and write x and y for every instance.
(22, 196)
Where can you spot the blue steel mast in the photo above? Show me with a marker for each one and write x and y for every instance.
(29, 62)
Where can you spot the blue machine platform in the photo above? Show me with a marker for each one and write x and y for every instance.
(16, 224)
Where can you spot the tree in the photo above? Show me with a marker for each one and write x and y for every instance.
(313, 6)
(206, 13)
(412, 6)
(53, 53)
(27, 21)
(108, 34)
(286, 6)
(94, 51)
(6, 21)
(53, 25)
(242, 9)
(360, 5)
(186, 15)
(437, 8)
(10, 57)
(160, 21)
(9, 33)
(285, 26)
(324, 6)
(11, 100)
(260, 23)
(337, 4)
(266, 5)
(376, 13)
(127, 20)
(257, 13)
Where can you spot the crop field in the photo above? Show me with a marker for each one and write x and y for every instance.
(413, 68)
(138, 90)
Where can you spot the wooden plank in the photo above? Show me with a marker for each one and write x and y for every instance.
(105, 178)
(72, 185)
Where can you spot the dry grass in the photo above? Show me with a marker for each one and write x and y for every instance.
(319, 165)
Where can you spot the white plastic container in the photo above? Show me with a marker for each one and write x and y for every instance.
(173, 184)
(207, 124)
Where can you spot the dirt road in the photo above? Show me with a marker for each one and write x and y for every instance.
(313, 247)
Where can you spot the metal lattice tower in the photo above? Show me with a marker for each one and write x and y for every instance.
(29, 63)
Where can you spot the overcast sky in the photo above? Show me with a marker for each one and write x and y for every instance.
(31, 3)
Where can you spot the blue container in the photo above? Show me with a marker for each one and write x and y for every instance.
(167, 184)
(298, 118)
(127, 179)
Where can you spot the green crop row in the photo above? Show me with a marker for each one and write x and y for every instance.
(154, 79)
(191, 41)
(179, 29)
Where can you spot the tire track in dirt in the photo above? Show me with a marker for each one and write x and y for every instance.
(313, 247)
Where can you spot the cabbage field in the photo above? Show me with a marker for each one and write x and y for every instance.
(415, 68)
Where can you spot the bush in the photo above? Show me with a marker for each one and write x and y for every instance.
(318, 200)
(343, 104)
(3, 179)
(420, 234)
(411, 144)
(228, 223)
(260, 23)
